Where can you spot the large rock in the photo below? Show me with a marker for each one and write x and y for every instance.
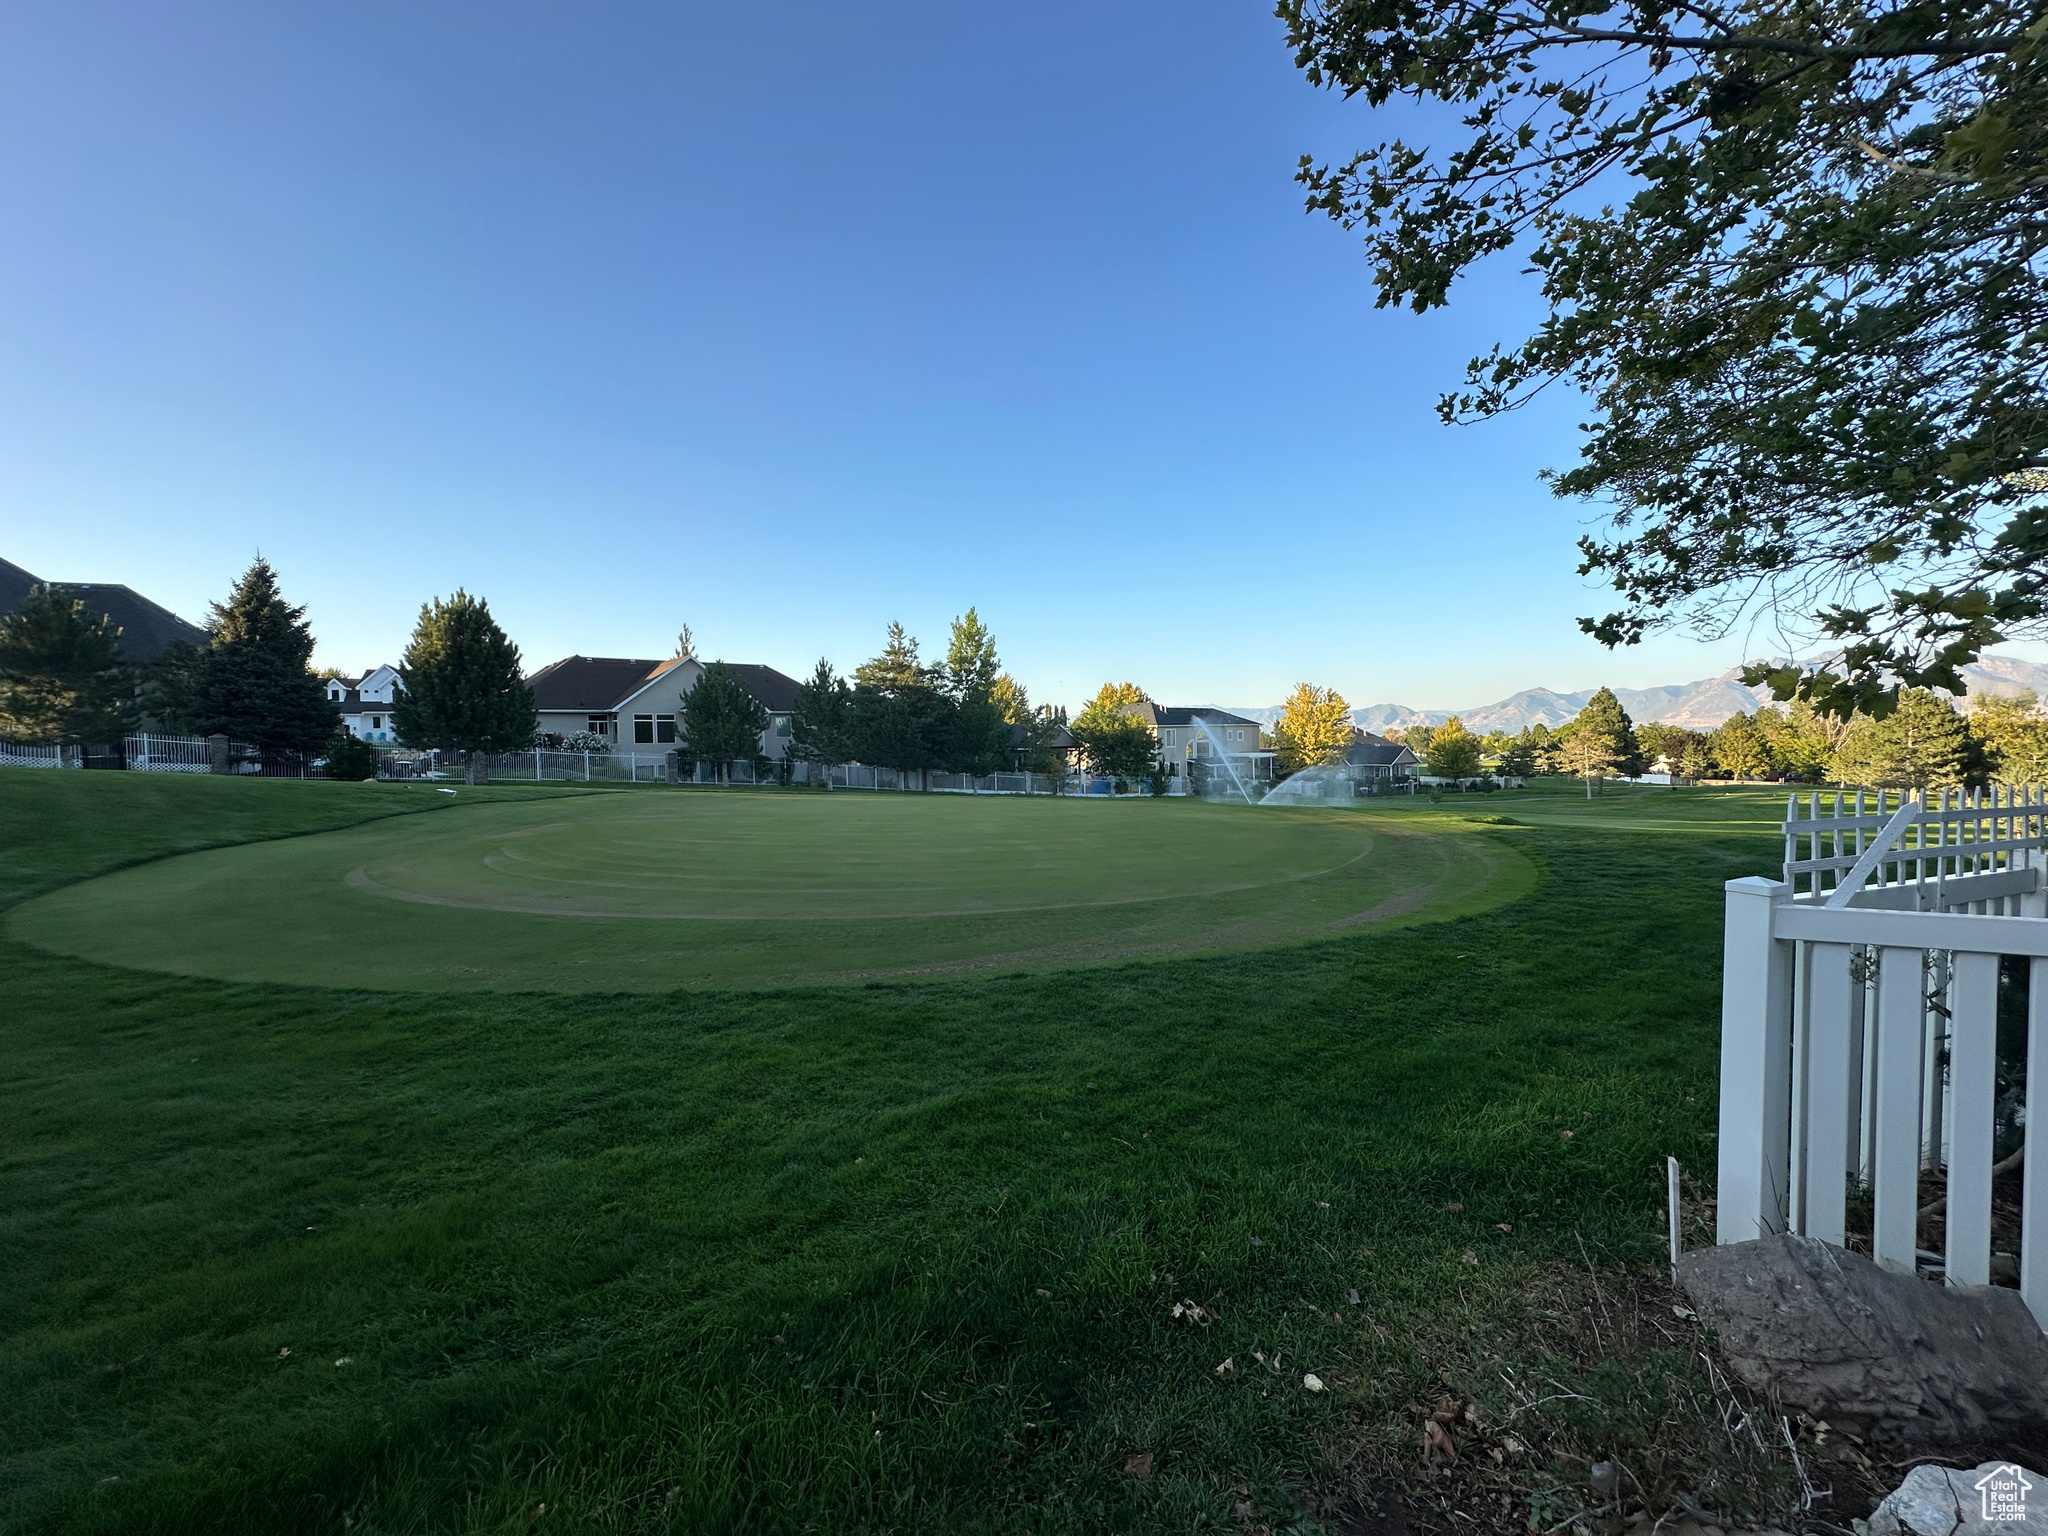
(1897, 1360)
(1999, 1497)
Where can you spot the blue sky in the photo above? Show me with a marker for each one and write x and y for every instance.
(782, 321)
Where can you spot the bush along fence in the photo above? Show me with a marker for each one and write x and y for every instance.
(1869, 1096)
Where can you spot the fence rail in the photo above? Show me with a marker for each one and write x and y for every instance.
(1859, 1032)
(169, 754)
(14, 755)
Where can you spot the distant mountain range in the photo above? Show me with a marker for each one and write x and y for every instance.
(1698, 706)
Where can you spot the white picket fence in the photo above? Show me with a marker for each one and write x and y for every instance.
(1859, 1027)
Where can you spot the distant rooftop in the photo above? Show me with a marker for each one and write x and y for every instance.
(147, 628)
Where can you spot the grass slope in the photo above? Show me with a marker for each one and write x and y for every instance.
(654, 889)
(894, 1257)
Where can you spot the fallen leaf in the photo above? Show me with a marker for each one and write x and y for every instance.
(346, 1360)
(1313, 1382)
(1686, 1312)
(1434, 1439)
(1228, 1367)
(1502, 1226)
(1322, 1205)
(1352, 1296)
(1455, 1205)
(1139, 1465)
(1471, 1257)
(287, 1349)
(1043, 1291)
(1564, 1135)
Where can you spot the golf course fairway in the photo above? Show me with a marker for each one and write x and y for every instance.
(637, 890)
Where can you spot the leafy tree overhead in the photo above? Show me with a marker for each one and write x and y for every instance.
(1453, 751)
(722, 722)
(1922, 744)
(62, 675)
(1795, 257)
(1314, 728)
(460, 685)
(255, 681)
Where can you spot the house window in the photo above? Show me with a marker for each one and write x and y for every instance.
(1170, 738)
(664, 727)
(643, 730)
(376, 722)
(600, 725)
(782, 725)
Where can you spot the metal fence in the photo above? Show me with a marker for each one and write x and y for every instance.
(168, 754)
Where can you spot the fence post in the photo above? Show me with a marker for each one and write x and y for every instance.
(1756, 1063)
(216, 753)
(2034, 1159)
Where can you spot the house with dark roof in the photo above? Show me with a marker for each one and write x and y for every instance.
(1190, 735)
(365, 703)
(147, 629)
(634, 702)
(1375, 757)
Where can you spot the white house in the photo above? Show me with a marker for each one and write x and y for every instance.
(365, 703)
(1185, 735)
(634, 703)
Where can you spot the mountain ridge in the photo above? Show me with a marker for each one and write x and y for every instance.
(1699, 705)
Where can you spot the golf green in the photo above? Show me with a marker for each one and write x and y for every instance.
(653, 889)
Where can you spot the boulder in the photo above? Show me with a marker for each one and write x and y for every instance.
(1999, 1497)
(1899, 1361)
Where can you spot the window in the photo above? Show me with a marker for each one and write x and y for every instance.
(1170, 738)
(643, 730)
(664, 727)
(782, 725)
(600, 725)
(376, 722)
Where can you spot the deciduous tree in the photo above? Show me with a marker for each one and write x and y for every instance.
(1115, 744)
(460, 688)
(1314, 728)
(2015, 737)
(1453, 751)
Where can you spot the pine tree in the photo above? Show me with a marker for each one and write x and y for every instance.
(971, 664)
(979, 738)
(62, 675)
(1314, 728)
(255, 681)
(461, 685)
(902, 719)
(721, 720)
(1922, 744)
(821, 725)
(1602, 741)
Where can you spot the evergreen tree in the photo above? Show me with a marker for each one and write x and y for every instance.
(721, 720)
(255, 681)
(1602, 741)
(1922, 744)
(1314, 728)
(461, 689)
(978, 737)
(821, 725)
(62, 675)
(902, 718)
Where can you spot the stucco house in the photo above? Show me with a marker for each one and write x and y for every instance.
(1375, 757)
(1187, 734)
(634, 702)
(365, 703)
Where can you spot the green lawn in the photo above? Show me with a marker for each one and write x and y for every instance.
(900, 1255)
(654, 889)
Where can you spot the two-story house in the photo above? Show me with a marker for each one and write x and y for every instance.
(1185, 735)
(365, 703)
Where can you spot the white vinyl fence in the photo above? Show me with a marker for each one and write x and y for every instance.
(1859, 1043)
(14, 755)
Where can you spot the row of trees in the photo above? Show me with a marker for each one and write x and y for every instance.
(962, 715)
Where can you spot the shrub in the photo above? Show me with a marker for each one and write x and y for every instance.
(352, 759)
